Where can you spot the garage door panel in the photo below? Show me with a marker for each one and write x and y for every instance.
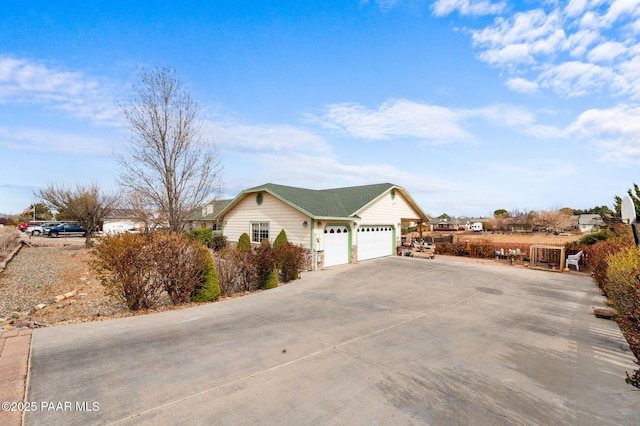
(375, 241)
(336, 245)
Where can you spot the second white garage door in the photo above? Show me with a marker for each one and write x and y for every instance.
(375, 241)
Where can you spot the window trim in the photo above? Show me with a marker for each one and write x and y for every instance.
(260, 230)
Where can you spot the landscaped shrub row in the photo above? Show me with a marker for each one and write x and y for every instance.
(248, 268)
(139, 268)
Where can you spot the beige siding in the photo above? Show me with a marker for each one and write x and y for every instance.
(279, 215)
(388, 211)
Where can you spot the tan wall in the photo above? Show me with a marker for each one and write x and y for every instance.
(279, 215)
(388, 211)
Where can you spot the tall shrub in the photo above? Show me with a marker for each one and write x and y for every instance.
(280, 239)
(244, 242)
(208, 289)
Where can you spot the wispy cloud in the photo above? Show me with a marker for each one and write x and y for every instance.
(262, 137)
(426, 123)
(27, 82)
(394, 119)
(468, 7)
(42, 141)
(573, 50)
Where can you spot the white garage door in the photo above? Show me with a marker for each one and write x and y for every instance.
(375, 241)
(336, 245)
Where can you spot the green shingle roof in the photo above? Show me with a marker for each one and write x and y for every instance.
(218, 206)
(336, 202)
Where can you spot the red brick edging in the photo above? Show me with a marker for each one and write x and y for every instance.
(14, 363)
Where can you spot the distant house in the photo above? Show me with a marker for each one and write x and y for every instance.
(590, 222)
(121, 220)
(336, 226)
(207, 216)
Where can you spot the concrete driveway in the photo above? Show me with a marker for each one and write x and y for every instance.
(388, 341)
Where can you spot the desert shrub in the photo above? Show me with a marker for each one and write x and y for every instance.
(290, 260)
(180, 263)
(208, 289)
(237, 272)
(9, 238)
(244, 242)
(280, 239)
(204, 235)
(270, 281)
(265, 262)
(125, 266)
(622, 285)
(138, 268)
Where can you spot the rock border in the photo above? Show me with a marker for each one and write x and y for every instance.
(3, 264)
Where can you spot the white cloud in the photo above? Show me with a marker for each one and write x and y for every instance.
(576, 78)
(606, 52)
(467, 7)
(556, 41)
(28, 82)
(614, 132)
(522, 85)
(394, 119)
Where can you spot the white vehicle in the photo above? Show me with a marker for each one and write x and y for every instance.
(476, 227)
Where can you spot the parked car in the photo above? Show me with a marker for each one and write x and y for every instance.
(23, 226)
(67, 229)
(41, 228)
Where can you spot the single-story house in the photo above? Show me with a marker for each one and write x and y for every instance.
(121, 220)
(336, 226)
(590, 222)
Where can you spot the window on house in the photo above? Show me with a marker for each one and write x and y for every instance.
(259, 231)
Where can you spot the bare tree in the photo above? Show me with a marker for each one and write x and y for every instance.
(87, 205)
(169, 165)
(143, 212)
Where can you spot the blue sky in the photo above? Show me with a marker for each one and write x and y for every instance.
(472, 106)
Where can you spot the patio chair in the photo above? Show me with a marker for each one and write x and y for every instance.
(574, 259)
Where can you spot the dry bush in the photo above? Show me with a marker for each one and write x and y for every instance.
(236, 271)
(291, 260)
(9, 239)
(139, 268)
(125, 266)
(180, 263)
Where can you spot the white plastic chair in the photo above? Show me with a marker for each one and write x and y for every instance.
(574, 259)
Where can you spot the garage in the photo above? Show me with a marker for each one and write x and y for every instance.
(336, 245)
(375, 241)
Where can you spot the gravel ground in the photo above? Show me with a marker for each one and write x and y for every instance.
(46, 269)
